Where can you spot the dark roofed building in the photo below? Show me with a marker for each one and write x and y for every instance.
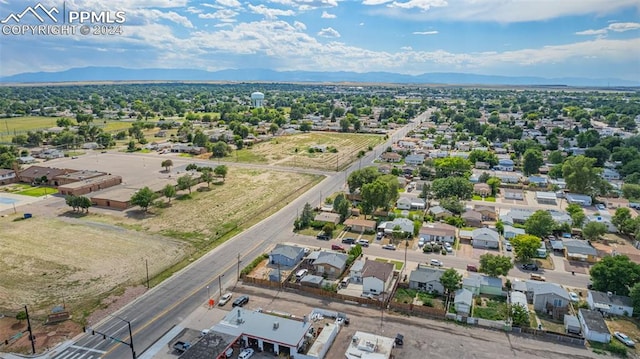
(211, 345)
(33, 173)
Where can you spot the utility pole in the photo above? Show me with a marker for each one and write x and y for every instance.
(146, 264)
(238, 266)
(220, 283)
(33, 340)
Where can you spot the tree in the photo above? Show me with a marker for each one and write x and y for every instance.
(519, 316)
(495, 265)
(556, 157)
(615, 274)
(426, 190)
(593, 230)
(581, 175)
(634, 293)
(494, 183)
(452, 166)
(458, 187)
(220, 149)
(193, 167)
(577, 214)
(143, 198)
(169, 191)
(623, 221)
(21, 315)
(374, 194)
(328, 229)
(540, 224)
(360, 177)
(631, 191)
(221, 171)
(531, 161)
(84, 203)
(451, 280)
(307, 215)
(525, 246)
(599, 153)
(305, 126)
(207, 176)
(185, 182)
(453, 205)
(342, 206)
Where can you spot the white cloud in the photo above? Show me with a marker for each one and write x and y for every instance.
(270, 13)
(623, 26)
(329, 32)
(592, 32)
(361, 24)
(434, 32)
(154, 14)
(299, 25)
(229, 3)
(423, 5)
(406, 48)
(375, 2)
(306, 5)
(326, 15)
(226, 15)
(193, 10)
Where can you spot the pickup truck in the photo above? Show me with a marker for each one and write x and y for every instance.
(181, 346)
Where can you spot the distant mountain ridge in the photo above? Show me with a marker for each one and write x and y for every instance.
(88, 74)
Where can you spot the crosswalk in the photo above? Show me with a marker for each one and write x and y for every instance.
(78, 352)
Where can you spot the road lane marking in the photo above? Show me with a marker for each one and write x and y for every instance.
(88, 349)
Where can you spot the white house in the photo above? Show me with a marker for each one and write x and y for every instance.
(604, 218)
(485, 238)
(356, 271)
(463, 301)
(512, 232)
(610, 175)
(406, 225)
(505, 165)
(581, 199)
(594, 327)
(414, 160)
(610, 303)
(376, 277)
(403, 203)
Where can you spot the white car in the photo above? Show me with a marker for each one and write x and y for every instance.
(574, 297)
(601, 207)
(624, 339)
(246, 354)
(448, 247)
(436, 263)
(224, 299)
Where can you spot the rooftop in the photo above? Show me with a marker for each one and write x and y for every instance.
(209, 346)
(369, 346)
(593, 320)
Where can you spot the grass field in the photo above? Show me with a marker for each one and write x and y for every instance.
(9, 127)
(38, 191)
(294, 150)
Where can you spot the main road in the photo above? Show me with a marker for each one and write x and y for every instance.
(160, 309)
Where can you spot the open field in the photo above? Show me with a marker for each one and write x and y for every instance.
(9, 127)
(47, 260)
(294, 150)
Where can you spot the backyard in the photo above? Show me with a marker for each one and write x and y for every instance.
(490, 308)
(407, 296)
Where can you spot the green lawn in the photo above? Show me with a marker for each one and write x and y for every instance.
(486, 199)
(9, 127)
(397, 264)
(246, 155)
(492, 309)
(38, 191)
(405, 295)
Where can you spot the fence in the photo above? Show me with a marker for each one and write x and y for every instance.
(418, 310)
(550, 336)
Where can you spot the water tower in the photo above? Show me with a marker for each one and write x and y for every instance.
(257, 99)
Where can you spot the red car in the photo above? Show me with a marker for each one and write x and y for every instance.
(472, 268)
(337, 247)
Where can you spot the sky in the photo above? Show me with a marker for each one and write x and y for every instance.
(543, 38)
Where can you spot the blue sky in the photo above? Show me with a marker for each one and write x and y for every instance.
(545, 38)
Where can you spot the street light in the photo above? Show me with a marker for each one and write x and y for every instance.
(208, 293)
(219, 283)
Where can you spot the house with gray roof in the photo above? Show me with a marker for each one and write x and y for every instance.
(485, 238)
(579, 250)
(519, 298)
(355, 272)
(463, 301)
(520, 215)
(512, 232)
(440, 212)
(405, 224)
(472, 218)
(594, 328)
(286, 255)
(311, 280)
(331, 264)
(548, 298)
(581, 199)
(483, 284)
(414, 160)
(426, 279)
(610, 303)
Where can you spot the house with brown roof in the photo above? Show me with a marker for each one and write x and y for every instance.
(49, 174)
(330, 263)
(488, 212)
(482, 189)
(360, 225)
(391, 157)
(376, 277)
(472, 218)
(7, 176)
(439, 232)
(89, 185)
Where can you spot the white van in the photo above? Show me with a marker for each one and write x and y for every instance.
(345, 282)
(301, 273)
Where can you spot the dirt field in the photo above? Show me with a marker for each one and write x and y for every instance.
(625, 325)
(293, 150)
(47, 260)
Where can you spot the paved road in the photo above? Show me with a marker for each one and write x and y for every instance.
(166, 305)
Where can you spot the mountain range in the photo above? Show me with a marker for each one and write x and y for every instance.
(89, 74)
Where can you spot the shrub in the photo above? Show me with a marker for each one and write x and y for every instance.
(617, 348)
(246, 270)
(478, 301)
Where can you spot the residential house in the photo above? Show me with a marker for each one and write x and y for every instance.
(482, 189)
(51, 153)
(609, 303)
(327, 217)
(546, 197)
(520, 215)
(355, 272)
(602, 217)
(508, 177)
(463, 301)
(482, 284)
(439, 212)
(427, 279)
(286, 255)
(376, 276)
(504, 165)
(418, 203)
(488, 212)
(481, 165)
(510, 193)
(360, 225)
(581, 199)
(511, 232)
(439, 232)
(560, 217)
(403, 203)
(485, 238)
(579, 250)
(538, 181)
(610, 174)
(23, 160)
(405, 224)
(7, 176)
(392, 157)
(594, 328)
(548, 298)
(572, 324)
(331, 264)
(519, 298)
(414, 160)
(472, 218)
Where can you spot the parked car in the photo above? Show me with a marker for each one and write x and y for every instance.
(344, 318)
(228, 353)
(348, 240)
(507, 247)
(225, 299)
(337, 247)
(601, 207)
(241, 301)
(363, 242)
(538, 277)
(379, 235)
(472, 268)
(307, 251)
(574, 297)
(246, 353)
(624, 339)
(436, 262)
(530, 266)
(420, 242)
(448, 247)
(323, 237)
(389, 247)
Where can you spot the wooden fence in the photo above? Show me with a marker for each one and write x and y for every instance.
(417, 310)
(546, 335)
